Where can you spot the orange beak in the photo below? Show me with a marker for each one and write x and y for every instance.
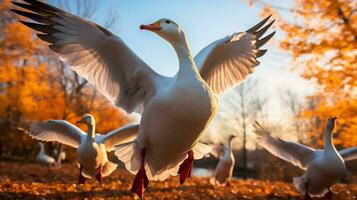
(151, 27)
(81, 121)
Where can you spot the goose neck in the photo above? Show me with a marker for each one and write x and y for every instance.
(42, 150)
(329, 146)
(186, 63)
(91, 131)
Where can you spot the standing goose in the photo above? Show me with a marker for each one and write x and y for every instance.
(225, 166)
(91, 148)
(175, 110)
(323, 167)
(43, 158)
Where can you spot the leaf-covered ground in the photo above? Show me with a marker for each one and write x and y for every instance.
(33, 181)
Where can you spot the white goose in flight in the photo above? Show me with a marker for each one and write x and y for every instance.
(91, 148)
(43, 158)
(324, 167)
(225, 166)
(175, 110)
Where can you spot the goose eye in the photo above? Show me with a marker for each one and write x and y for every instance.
(167, 22)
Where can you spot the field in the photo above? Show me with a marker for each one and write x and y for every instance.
(33, 181)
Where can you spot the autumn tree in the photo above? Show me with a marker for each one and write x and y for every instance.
(243, 107)
(293, 105)
(322, 40)
(35, 85)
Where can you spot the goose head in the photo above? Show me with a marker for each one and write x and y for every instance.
(331, 122)
(41, 145)
(231, 137)
(87, 119)
(166, 29)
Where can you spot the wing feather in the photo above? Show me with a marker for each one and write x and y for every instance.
(350, 157)
(57, 131)
(233, 58)
(295, 153)
(94, 53)
(118, 136)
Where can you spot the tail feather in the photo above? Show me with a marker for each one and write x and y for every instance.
(300, 184)
(128, 154)
(200, 150)
(108, 168)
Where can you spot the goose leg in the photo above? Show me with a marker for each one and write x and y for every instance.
(99, 175)
(228, 184)
(307, 197)
(328, 196)
(140, 179)
(81, 178)
(186, 167)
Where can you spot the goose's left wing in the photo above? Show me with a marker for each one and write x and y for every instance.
(228, 61)
(295, 153)
(350, 157)
(118, 136)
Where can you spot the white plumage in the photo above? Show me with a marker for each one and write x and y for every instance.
(175, 110)
(224, 170)
(43, 158)
(91, 148)
(324, 167)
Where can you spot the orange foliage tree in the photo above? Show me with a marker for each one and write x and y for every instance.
(35, 85)
(322, 40)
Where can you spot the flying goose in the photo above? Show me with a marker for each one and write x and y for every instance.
(225, 166)
(91, 148)
(175, 110)
(323, 167)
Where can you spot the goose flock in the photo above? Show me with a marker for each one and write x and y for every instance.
(174, 110)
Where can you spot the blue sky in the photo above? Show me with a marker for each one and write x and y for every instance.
(203, 21)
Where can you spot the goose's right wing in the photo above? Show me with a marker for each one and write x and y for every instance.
(94, 53)
(57, 131)
(295, 153)
(350, 157)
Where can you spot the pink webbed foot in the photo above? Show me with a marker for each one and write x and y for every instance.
(186, 167)
(81, 178)
(141, 180)
(99, 175)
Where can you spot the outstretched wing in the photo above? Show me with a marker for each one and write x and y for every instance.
(94, 53)
(118, 136)
(57, 131)
(295, 153)
(350, 157)
(228, 61)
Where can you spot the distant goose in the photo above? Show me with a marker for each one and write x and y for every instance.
(225, 166)
(43, 158)
(62, 156)
(324, 167)
(175, 110)
(91, 148)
